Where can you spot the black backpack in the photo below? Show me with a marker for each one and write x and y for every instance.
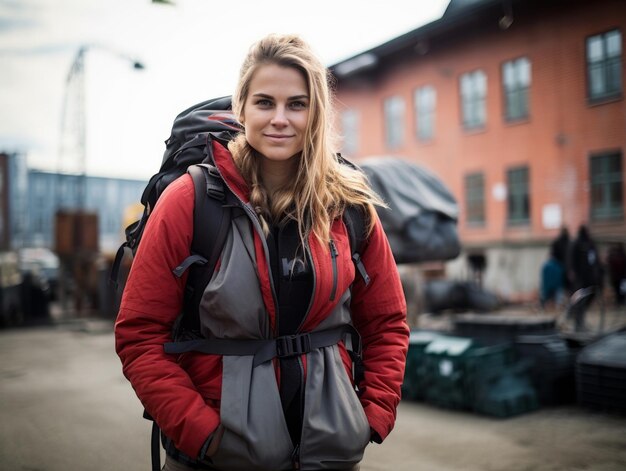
(188, 145)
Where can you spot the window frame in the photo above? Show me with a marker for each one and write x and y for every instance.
(475, 195)
(519, 89)
(603, 183)
(517, 201)
(394, 120)
(476, 103)
(425, 113)
(609, 95)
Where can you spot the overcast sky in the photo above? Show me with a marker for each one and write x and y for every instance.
(191, 50)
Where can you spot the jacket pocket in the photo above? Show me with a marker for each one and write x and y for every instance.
(335, 429)
(255, 437)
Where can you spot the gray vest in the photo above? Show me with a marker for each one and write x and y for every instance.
(335, 429)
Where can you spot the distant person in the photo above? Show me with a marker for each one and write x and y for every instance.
(552, 289)
(586, 271)
(559, 250)
(616, 266)
(268, 382)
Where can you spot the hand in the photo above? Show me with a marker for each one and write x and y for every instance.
(216, 439)
(374, 437)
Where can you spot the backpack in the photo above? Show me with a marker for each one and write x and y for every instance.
(187, 145)
(189, 150)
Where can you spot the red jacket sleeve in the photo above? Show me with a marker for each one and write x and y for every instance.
(151, 302)
(379, 314)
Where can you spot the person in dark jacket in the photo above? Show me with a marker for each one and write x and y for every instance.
(616, 265)
(586, 271)
(552, 276)
(559, 249)
(285, 274)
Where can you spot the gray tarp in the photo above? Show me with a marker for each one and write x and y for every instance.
(421, 220)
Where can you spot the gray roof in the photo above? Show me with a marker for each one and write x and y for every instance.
(456, 5)
(460, 15)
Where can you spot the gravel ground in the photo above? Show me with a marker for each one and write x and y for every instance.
(554, 439)
(66, 406)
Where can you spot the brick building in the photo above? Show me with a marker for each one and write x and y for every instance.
(518, 106)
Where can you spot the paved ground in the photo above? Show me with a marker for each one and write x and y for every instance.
(65, 405)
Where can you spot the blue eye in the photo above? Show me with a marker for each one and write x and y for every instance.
(298, 105)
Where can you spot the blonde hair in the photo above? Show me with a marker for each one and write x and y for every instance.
(322, 187)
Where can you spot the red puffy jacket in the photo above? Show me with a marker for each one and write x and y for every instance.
(183, 392)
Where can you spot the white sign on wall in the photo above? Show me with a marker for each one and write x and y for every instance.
(551, 216)
(498, 191)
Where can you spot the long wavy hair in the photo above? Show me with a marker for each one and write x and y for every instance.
(322, 187)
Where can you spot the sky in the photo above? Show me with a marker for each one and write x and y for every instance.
(191, 50)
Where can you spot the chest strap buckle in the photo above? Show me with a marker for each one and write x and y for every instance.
(292, 345)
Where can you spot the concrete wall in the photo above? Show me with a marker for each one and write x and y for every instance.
(512, 273)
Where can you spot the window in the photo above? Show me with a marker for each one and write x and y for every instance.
(425, 103)
(475, 198)
(518, 197)
(606, 186)
(473, 97)
(394, 122)
(604, 64)
(112, 201)
(350, 127)
(3, 203)
(38, 214)
(516, 78)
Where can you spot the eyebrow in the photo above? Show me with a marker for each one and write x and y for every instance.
(296, 97)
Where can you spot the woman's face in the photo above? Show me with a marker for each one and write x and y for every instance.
(276, 112)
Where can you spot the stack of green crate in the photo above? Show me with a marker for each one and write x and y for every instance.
(414, 373)
(500, 385)
(507, 394)
(459, 373)
(445, 377)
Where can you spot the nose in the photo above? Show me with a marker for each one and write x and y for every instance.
(279, 119)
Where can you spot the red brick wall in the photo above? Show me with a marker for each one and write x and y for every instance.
(556, 140)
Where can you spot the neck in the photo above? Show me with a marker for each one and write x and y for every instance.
(276, 174)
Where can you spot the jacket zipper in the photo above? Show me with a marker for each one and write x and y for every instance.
(333, 256)
(295, 457)
(309, 257)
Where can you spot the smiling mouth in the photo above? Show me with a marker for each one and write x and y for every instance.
(278, 136)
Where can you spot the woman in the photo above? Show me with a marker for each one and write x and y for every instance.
(285, 269)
